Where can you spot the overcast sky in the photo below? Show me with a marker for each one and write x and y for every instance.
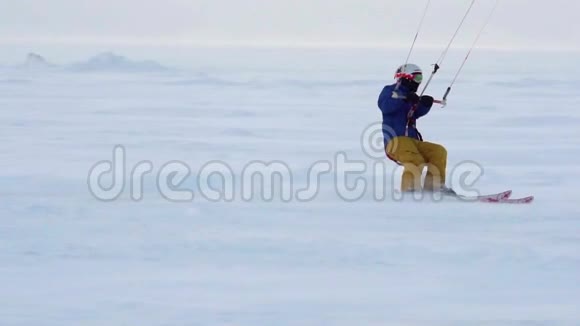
(517, 23)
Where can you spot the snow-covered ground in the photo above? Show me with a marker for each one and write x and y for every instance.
(67, 258)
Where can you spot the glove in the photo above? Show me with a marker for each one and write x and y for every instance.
(426, 100)
(412, 98)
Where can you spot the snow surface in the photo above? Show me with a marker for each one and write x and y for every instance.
(69, 259)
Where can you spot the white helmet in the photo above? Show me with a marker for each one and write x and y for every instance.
(411, 72)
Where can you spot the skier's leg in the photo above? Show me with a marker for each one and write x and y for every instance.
(436, 158)
(405, 151)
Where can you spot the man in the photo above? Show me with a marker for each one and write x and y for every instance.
(401, 107)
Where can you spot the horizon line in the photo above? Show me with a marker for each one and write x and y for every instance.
(269, 44)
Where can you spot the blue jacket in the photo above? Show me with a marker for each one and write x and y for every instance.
(395, 113)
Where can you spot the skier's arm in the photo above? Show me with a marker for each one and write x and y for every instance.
(388, 103)
(425, 105)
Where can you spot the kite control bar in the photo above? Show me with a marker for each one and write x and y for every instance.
(442, 102)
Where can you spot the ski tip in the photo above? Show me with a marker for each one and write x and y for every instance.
(528, 200)
(507, 194)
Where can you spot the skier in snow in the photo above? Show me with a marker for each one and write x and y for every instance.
(401, 107)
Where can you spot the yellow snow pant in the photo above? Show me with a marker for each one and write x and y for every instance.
(415, 155)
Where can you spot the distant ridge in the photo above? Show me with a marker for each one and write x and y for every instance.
(111, 62)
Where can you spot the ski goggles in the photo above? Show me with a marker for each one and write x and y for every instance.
(417, 77)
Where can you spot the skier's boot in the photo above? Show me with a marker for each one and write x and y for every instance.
(446, 191)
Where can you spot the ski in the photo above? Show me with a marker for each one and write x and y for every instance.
(492, 198)
(524, 200)
(499, 198)
(504, 197)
